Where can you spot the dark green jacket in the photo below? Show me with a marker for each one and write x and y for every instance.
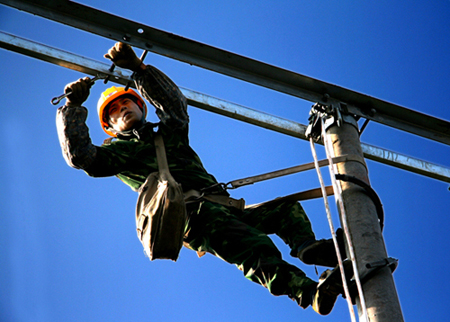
(132, 156)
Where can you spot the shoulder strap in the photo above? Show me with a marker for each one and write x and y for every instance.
(161, 155)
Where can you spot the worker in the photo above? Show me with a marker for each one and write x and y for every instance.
(237, 236)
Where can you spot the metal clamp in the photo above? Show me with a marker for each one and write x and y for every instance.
(335, 113)
(392, 263)
(369, 272)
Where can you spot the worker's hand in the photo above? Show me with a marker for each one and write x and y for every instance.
(80, 91)
(123, 55)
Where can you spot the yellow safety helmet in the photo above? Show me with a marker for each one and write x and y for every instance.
(110, 95)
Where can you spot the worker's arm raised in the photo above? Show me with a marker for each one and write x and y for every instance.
(73, 134)
(123, 55)
(156, 87)
(79, 91)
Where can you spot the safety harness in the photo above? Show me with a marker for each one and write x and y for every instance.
(210, 193)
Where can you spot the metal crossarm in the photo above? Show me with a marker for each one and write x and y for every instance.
(221, 61)
(357, 208)
(203, 101)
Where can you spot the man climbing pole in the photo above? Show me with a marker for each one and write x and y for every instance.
(237, 236)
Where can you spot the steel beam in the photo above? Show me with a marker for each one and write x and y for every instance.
(221, 61)
(215, 105)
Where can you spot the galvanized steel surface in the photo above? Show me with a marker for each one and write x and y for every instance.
(221, 61)
(203, 101)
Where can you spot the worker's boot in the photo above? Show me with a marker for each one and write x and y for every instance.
(322, 252)
(320, 296)
(329, 287)
(325, 295)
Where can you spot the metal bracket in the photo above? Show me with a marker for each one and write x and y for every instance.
(334, 113)
(371, 270)
(392, 263)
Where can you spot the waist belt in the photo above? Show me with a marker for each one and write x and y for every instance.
(195, 196)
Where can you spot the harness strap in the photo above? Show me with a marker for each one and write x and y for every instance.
(307, 166)
(161, 157)
(195, 196)
(369, 191)
(299, 196)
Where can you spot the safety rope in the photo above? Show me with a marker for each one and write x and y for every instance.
(339, 201)
(333, 234)
(315, 134)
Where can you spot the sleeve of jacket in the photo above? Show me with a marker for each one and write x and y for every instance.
(164, 94)
(73, 134)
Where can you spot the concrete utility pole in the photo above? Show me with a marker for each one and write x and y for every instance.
(380, 294)
(379, 291)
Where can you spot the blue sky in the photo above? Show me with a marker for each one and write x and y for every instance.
(68, 247)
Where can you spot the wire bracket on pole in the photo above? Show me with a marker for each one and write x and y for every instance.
(392, 263)
(335, 113)
(371, 269)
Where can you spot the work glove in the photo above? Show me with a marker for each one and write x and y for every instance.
(80, 91)
(123, 55)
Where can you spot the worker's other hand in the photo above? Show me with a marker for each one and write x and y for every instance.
(123, 55)
(80, 91)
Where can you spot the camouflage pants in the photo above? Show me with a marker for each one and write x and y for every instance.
(240, 238)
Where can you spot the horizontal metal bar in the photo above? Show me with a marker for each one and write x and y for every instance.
(215, 105)
(221, 61)
(59, 57)
(245, 114)
(406, 162)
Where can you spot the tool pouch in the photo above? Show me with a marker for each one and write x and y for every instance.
(161, 211)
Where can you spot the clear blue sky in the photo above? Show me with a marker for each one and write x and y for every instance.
(68, 247)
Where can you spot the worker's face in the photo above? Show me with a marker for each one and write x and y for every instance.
(124, 114)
